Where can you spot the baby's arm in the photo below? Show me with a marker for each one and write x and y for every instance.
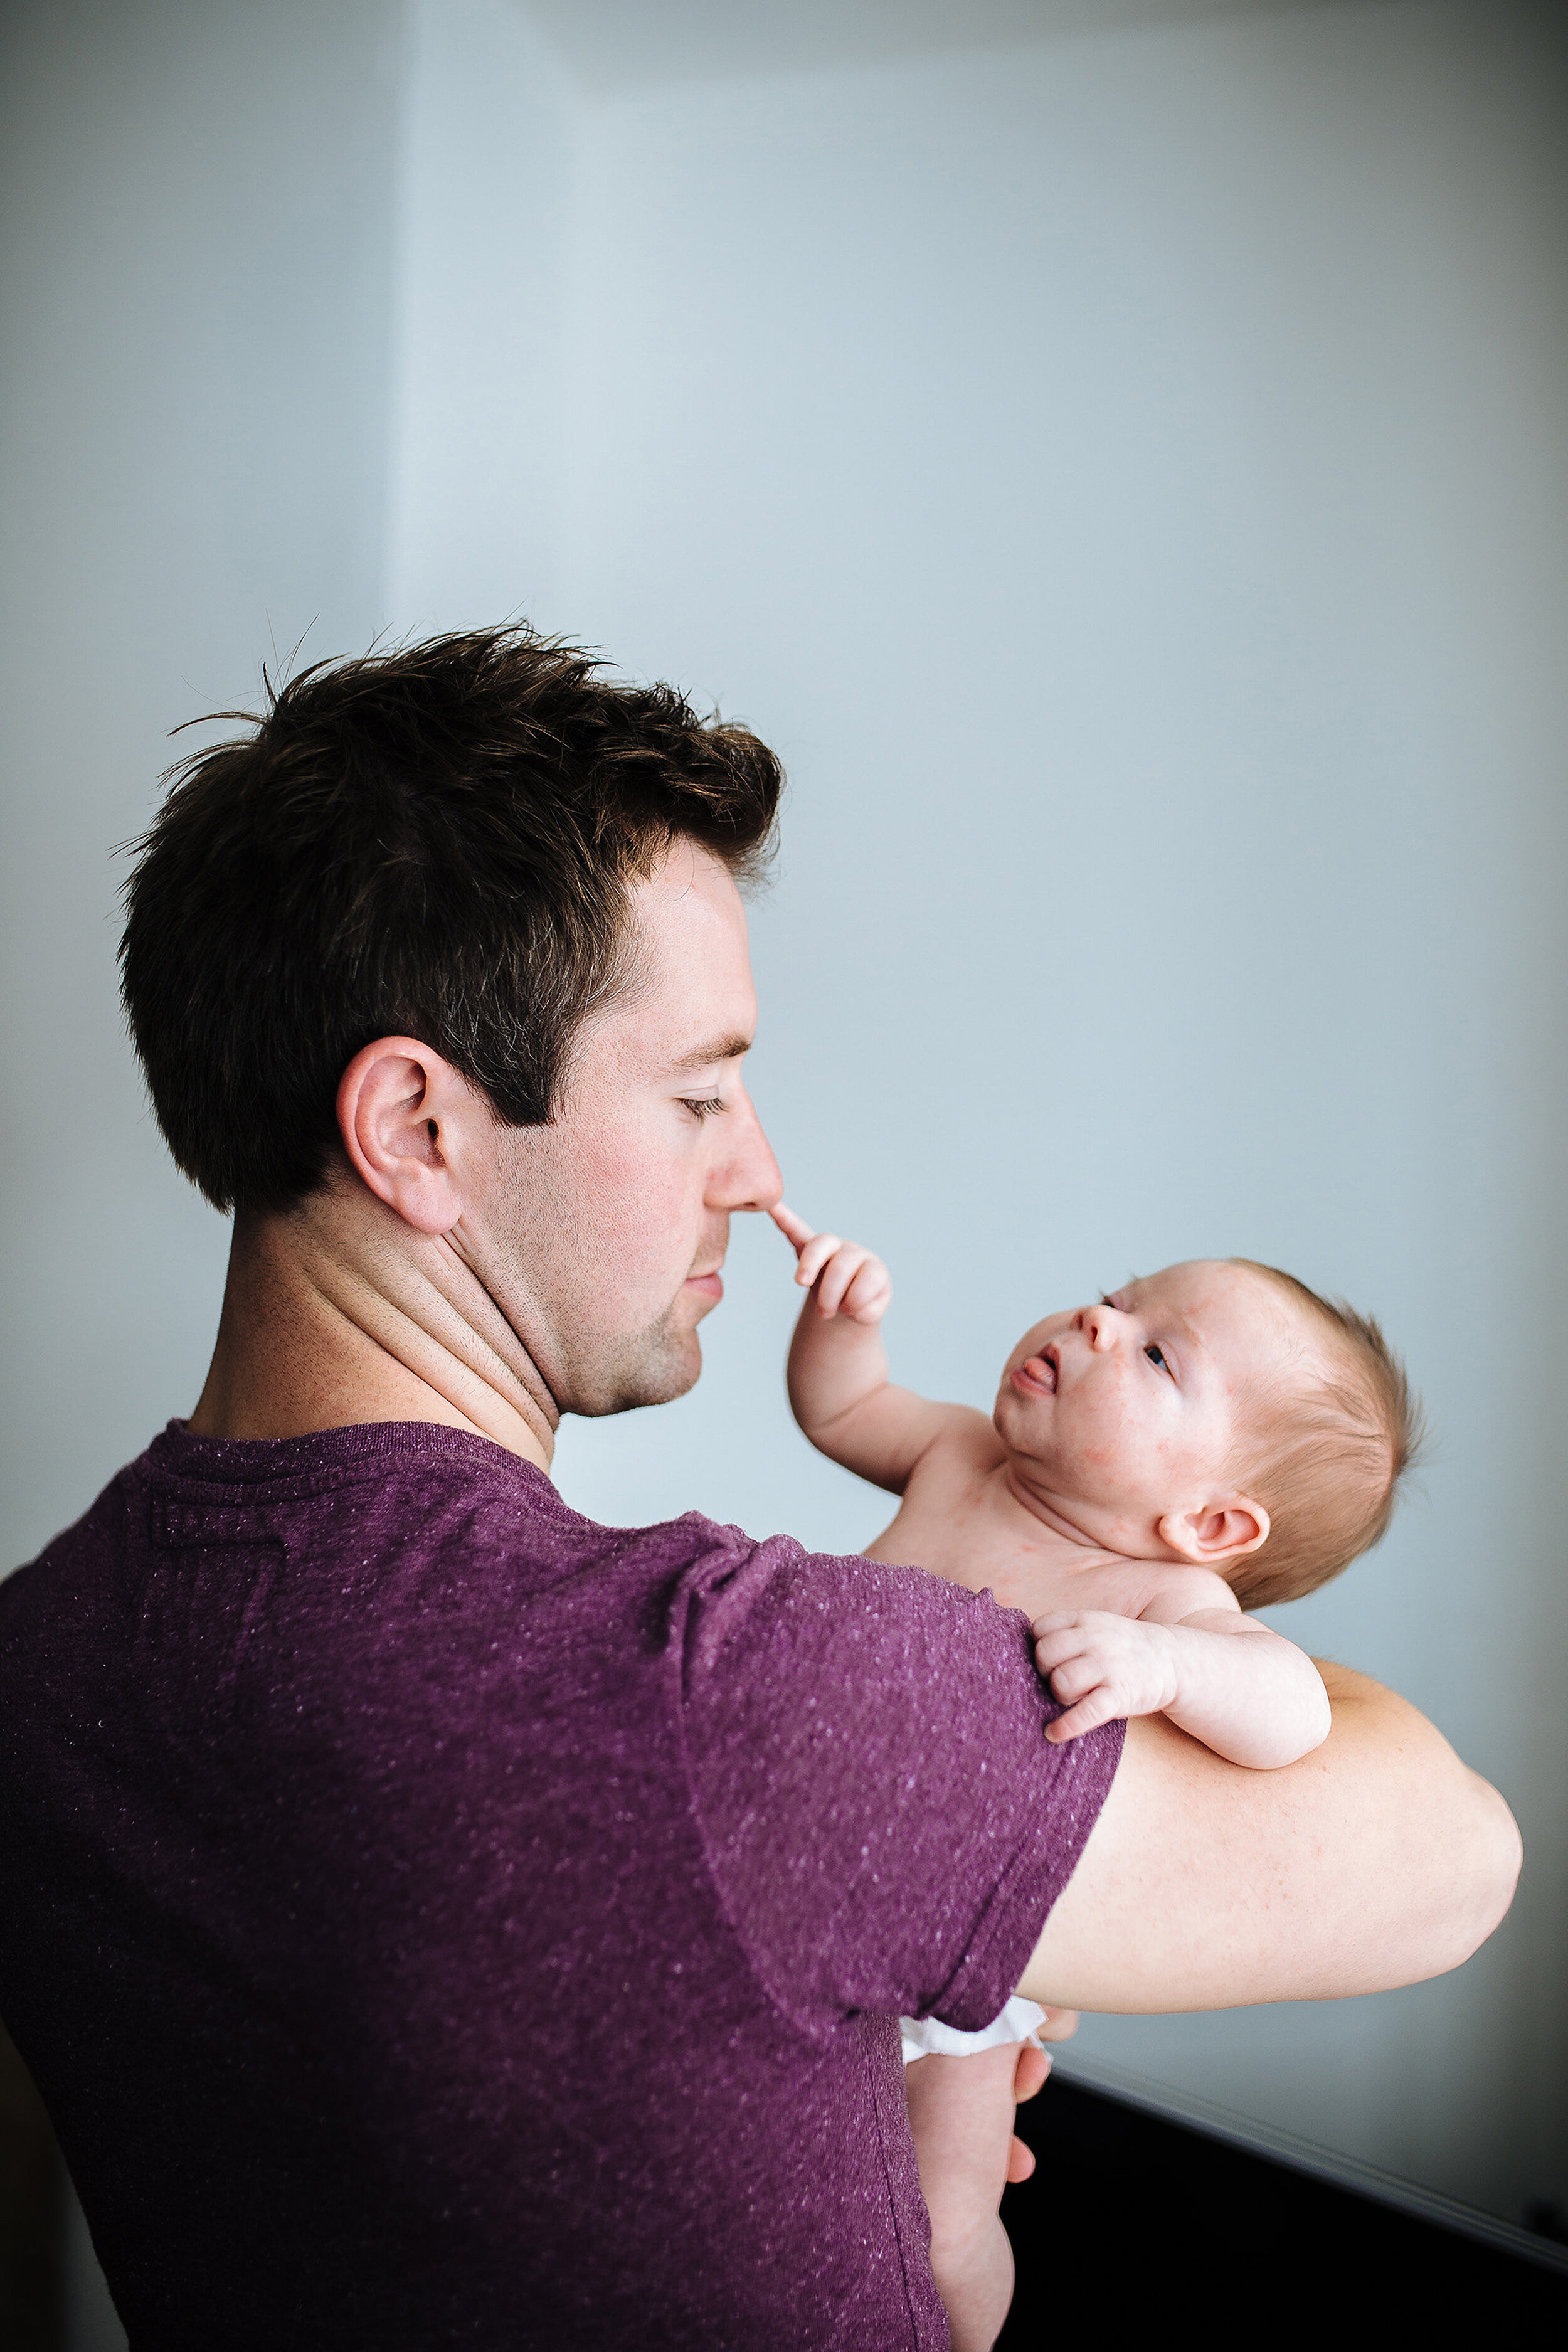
(1243, 1690)
(838, 1386)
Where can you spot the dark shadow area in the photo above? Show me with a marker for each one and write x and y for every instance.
(32, 2213)
(1130, 2221)
(1125, 2212)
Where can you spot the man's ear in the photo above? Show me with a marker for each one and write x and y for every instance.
(402, 1114)
(1215, 1531)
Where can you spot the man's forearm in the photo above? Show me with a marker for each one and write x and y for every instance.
(1376, 1861)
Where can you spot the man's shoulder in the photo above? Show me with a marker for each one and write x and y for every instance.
(860, 1637)
(430, 1525)
(374, 1521)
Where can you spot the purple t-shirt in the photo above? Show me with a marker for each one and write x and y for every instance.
(434, 1919)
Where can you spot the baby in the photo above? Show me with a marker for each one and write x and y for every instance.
(1203, 1442)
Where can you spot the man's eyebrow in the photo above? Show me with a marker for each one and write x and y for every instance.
(722, 1049)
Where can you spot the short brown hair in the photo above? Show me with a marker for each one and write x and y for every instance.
(1328, 1457)
(437, 841)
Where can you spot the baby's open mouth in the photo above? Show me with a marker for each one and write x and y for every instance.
(1038, 1371)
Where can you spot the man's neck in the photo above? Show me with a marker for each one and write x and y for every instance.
(338, 1313)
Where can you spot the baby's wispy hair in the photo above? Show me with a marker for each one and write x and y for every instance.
(1325, 1453)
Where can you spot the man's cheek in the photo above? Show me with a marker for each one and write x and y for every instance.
(644, 1228)
(632, 1155)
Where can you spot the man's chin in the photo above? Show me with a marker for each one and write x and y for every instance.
(664, 1364)
(670, 1379)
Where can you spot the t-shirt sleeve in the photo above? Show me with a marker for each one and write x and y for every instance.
(886, 1824)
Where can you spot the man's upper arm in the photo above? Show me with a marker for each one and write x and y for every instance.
(1378, 1860)
(883, 1819)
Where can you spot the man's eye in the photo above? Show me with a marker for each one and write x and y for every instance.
(1157, 1358)
(703, 1107)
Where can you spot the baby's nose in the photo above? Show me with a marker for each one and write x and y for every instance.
(1100, 1324)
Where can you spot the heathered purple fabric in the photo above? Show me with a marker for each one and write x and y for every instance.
(435, 1920)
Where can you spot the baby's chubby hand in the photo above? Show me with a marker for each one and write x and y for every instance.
(1101, 1667)
(846, 1279)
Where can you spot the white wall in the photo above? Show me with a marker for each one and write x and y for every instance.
(1125, 476)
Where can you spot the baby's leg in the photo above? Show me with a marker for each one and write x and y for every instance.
(960, 2114)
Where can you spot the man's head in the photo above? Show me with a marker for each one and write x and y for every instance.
(1218, 1413)
(461, 923)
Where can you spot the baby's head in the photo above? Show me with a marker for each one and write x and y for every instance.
(1219, 1413)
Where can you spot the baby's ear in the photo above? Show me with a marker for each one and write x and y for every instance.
(1215, 1531)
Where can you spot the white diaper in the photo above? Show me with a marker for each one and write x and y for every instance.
(925, 2036)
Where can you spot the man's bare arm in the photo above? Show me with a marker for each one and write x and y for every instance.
(1378, 1860)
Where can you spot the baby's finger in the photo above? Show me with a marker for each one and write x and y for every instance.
(1053, 1650)
(837, 1275)
(868, 1294)
(1078, 1675)
(1020, 2159)
(813, 1257)
(794, 1229)
(1100, 1707)
(1055, 1621)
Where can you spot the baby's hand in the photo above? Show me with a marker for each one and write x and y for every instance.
(847, 1280)
(1101, 1667)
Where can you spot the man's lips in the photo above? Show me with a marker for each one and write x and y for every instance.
(707, 1285)
(1037, 1375)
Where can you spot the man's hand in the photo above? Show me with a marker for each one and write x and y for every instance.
(1101, 1667)
(1029, 2078)
(846, 1279)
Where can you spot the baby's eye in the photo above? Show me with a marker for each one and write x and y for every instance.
(1157, 1358)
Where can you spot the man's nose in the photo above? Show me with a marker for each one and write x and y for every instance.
(748, 1177)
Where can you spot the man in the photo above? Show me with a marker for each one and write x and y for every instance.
(434, 1919)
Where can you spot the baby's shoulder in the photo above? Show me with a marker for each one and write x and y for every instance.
(964, 1445)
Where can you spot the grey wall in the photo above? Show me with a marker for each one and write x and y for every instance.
(1125, 475)
(197, 277)
(196, 314)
